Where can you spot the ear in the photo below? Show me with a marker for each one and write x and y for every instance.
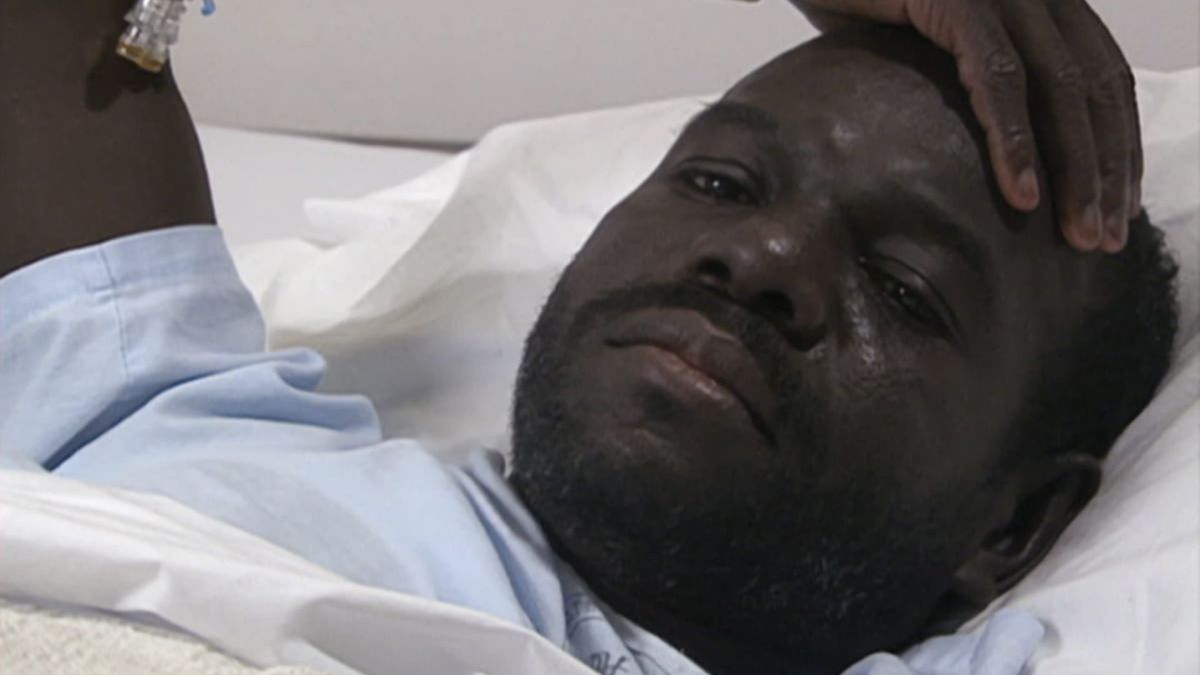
(1052, 491)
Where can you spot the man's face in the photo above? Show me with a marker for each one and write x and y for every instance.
(773, 392)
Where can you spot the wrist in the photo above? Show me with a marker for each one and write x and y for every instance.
(64, 42)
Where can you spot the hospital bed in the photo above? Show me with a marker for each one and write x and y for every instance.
(419, 294)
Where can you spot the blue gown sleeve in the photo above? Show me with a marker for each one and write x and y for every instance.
(147, 347)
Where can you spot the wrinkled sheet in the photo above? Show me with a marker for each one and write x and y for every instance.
(260, 180)
(55, 641)
(70, 543)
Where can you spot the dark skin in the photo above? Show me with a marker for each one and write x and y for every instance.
(792, 248)
(1037, 71)
(1042, 76)
(801, 342)
(91, 148)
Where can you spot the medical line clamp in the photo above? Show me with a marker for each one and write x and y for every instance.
(153, 28)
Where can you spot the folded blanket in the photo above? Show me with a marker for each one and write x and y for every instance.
(41, 641)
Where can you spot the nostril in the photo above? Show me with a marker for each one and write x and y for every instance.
(711, 270)
(775, 304)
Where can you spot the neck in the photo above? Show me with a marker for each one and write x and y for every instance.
(714, 649)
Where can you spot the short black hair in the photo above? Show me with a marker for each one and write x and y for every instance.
(1098, 379)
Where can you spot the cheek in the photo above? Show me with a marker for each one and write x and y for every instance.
(911, 414)
(640, 240)
(879, 366)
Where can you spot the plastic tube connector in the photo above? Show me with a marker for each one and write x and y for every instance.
(153, 28)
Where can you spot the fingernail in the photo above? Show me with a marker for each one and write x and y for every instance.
(1027, 186)
(1135, 202)
(1091, 226)
(1114, 242)
(1115, 227)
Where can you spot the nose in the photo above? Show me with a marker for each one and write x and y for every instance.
(776, 272)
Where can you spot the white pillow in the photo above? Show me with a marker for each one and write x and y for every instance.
(424, 304)
(1120, 590)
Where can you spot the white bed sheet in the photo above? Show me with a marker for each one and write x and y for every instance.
(74, 545)
(261, 180)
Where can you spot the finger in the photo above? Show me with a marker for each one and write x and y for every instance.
(1139, 158)
(1137, 166)
(887, 11)
(1111, 126)
(1063, 122)
(1112, 109)
(823, 20)
(991, 69)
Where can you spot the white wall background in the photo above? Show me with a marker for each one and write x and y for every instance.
(447, 70)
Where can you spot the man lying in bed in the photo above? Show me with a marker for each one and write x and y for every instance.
(814, 390)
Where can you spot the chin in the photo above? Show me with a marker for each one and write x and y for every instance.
(581, 464)
(747, 549)
(738, 552)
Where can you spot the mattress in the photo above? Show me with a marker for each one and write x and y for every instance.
(261, 180)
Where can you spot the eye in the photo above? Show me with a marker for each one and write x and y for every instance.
(905, 293)
(720, 187)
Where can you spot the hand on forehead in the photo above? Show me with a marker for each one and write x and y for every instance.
(1047, 80)
(874, 111)
(871, 129)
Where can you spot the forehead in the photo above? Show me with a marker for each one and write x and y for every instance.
(861, 113)
(841, 124)
(846, 109)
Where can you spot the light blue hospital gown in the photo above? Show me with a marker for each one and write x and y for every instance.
(140, 363)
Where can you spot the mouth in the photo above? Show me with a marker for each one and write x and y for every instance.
(705, 360)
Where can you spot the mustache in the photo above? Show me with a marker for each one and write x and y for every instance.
(803, 409)
(767, 344)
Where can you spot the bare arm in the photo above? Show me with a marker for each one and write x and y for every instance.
(91, 148)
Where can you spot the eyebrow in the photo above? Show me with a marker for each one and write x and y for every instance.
(942, 227)
(738, 114)
(949, 231)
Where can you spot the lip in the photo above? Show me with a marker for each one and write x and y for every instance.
(717, 357)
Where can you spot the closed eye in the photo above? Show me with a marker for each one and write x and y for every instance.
(911, 296)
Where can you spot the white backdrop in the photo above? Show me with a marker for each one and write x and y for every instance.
(448, 70)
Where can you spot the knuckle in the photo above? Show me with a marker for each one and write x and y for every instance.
(1113, 90)
(1112, 170)
(1107, 95)
(1067, 78)
(1017, 138)
(1003, 69)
